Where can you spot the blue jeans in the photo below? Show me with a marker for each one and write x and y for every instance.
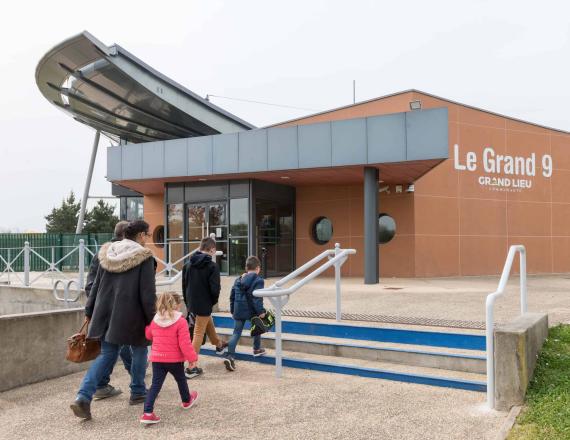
(105, 362)
(127, 357)
(159, 372)
(238, 328)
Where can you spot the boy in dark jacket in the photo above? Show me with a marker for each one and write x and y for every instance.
(201, 287)
(244, 306)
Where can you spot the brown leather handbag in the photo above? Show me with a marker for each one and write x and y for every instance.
(80, 348)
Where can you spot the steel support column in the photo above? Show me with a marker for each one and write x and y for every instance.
(87, 184)
(371, 253)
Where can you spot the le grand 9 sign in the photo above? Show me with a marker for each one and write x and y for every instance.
(500, 172)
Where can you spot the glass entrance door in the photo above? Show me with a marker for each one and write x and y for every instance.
(274, 231)
(209, 218)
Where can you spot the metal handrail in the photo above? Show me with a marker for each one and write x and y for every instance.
(66, 289)
(279, 296)
(489, 304)
(172, 280)
(81, 249)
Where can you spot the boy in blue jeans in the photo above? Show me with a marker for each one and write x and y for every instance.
(244, 306)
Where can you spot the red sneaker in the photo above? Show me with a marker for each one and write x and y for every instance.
(149, 419)
(193, 399)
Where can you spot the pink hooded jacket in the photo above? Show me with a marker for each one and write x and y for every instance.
(170, 339)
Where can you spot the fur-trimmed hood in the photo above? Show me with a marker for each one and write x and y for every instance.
(121, 256)
(165, 320)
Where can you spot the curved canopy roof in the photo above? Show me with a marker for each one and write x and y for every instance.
(111, 90)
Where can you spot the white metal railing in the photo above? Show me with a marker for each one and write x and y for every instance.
(76, 281)
(279, 295)
(169, 266)
(52, 266)
(66, 291)
(490, 312)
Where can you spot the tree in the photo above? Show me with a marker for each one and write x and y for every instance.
(64, 218)
(101, 218)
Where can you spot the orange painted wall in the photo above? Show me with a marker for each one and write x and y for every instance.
(477, 223)
(452, 225)
(344, 205)
(154, 216)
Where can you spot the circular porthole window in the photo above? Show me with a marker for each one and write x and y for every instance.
(386, 228)
(322, 230)
(158, 236)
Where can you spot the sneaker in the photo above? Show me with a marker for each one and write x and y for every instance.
(106, 391)
(260, 352)
(81, 409)
(193, 399)
(223, 349)
(192, 373)
(137, 398)
(230, 363)
(149, 419)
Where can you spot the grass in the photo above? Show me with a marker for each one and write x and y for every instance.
(547, 410)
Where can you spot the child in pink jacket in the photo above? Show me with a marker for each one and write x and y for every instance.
(171, 347)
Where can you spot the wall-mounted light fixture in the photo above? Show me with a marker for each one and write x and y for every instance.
(416, 105)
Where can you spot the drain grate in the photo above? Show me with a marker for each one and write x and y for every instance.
(389, 319)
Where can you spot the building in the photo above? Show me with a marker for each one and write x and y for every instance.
(457, 183)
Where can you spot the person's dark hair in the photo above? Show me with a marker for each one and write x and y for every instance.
(120, 227)
(252, 263)
(135, 227)
(207, 244)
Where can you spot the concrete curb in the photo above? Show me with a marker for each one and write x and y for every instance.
(508, 423)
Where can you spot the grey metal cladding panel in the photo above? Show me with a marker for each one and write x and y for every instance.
(427, 134)
(131, 161)
(386, 138)
(348, 142)
(282, 148)
(200, 156)
(152, 159)
(114, 163)
(315, 145)
(175, 160)
(225, 153)
(252, 150)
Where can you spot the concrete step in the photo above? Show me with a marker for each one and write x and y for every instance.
(359, 332)
(421, 356)
(364, 368)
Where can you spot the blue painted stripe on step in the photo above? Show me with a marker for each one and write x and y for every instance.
(354, 370)
(379, 334)
(368, 347)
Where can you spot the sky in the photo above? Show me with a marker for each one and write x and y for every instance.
(511, 57)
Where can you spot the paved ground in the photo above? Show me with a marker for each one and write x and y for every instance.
(435, 298)
(251, 403)
(304, 405)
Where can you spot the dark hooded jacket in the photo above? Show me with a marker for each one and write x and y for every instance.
(123, 295)
(201, 284)
(243, 305)
(93, 269)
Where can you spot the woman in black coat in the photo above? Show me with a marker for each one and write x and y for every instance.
(119, 307)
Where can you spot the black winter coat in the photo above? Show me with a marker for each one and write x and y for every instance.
(201, 284)
(123, 295)
(93, 269)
